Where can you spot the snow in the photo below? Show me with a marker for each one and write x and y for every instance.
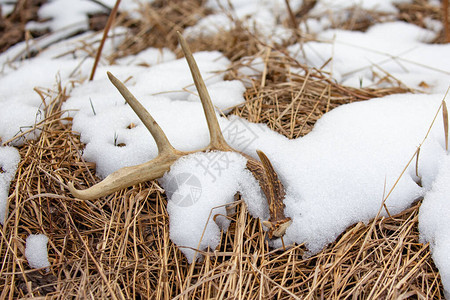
(103, 119)
(394, 50)
(148, 57)
(36, 251)
(6, 9)
(339, 174)
(9, 159)
(21, 105)
(74, 15)
(191, 186)
(434, 223)
(259, 16)
(226, 94)
(386, 6)
(332, 181)
(262, 16)
(65, 14)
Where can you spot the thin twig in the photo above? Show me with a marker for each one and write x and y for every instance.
(291, 15)
(445, 16)
(108, 25)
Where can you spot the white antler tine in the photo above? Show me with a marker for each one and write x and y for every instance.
(158, 134)
(217, 140)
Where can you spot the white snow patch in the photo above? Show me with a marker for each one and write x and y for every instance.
(36, 251)
(251, 69)
(7, 7)
(434, 221)
(65, 14)
(148, 57)
(9, 160)
(325, 6)
(103, 119)
(224, 95)
(197, 211)
(339, 174)
(20, 104)
(259, 16)
(387, 54)
(335, 176)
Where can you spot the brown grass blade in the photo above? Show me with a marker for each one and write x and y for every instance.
(445, 118)
(108, 25)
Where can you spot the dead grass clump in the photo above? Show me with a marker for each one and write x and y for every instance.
(358, 19)
(119, 247)
(12, 27)
(290, 103)
(235, 44)
(420, 13)
(159, 24)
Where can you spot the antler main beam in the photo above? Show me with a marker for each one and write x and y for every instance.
(167, 155)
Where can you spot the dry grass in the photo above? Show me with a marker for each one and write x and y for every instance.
(119, 247)
(12, 27)
(418, 11)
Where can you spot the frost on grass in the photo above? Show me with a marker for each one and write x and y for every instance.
(36, 251)
(9, 159)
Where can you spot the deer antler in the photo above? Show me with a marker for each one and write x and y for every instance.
(167, 155)
(277, 223)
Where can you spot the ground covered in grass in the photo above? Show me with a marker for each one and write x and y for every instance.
(118, 246)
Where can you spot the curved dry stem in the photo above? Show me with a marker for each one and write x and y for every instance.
(128, 176)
